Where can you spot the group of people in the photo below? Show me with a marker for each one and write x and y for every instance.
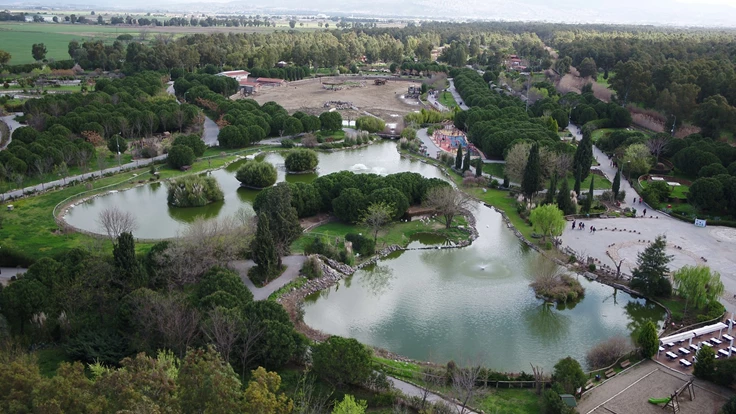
(581, 226)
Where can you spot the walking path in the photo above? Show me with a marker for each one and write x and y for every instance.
(456, 95)
(411, 390)
(436, 103)
(631, 236)
(7, 272)
(12, 125)
(293, 266)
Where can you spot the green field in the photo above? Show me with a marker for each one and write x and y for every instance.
(17, 38)
(494, 169)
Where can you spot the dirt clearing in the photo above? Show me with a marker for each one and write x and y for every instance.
(385, 101)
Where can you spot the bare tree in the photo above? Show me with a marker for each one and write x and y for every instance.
(449, 202)
(223, 328)
(307, 400)
(83, 157)
(463, 385)
(115, 221)
(180, 117)
(251, 332)
(204, 244)
(165, 320)
(608, 352)
(40, 166)
(618, 265)
(18, 180)
(563, 165)
(657, 144)
(376, 216)
(518, 155)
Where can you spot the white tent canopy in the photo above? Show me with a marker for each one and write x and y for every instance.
(718, 327)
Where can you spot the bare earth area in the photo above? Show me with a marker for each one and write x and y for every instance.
(385, 101)
(630, 392)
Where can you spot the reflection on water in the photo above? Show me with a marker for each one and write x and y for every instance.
(157, 220)
(453, 303)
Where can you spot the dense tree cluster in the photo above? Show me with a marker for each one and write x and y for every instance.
(348, 195)
(66, 128)
(256, 174)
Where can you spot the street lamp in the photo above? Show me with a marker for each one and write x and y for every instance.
(117, 142)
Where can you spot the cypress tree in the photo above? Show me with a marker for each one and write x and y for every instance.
(282, 217)
(577, 181)
(589, 200)
(123, 252)
(263, 251)
(616, 184)
(583, 159)
(550, 197)
(478, 167)
(459, 158)
(466, 161)
(530, 180)
(505, 181)
(564, 202)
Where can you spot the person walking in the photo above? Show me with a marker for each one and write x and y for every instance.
(573, 224)
(645, 213)
(593, 230)
(634, 200)
(639, 200)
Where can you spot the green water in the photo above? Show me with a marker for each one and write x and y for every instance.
(157, 220)
(472, 303)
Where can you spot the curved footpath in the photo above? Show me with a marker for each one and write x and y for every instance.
(12, 125)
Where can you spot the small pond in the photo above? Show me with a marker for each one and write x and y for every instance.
(156, 220)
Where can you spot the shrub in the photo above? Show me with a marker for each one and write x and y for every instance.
(257, 174)
(311, 268)
(370, 124)
(192, 141)
(319, 246)
(607, 352)
(362, 245)
(194, 191)
(301, 160)
(287, 143)
(309, 141)
(591, 267)
(179, 156)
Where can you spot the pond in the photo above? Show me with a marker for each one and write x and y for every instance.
(156, 220)
(459, 304)
(472, 303)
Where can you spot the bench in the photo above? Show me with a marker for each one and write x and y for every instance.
(589, 385)
(625, 364)
(610, 373)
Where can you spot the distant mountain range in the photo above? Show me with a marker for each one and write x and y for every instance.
(720, 13)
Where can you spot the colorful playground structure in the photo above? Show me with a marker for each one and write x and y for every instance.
(449, 138)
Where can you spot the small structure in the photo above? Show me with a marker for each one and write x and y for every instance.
(270, 82)
(238, 75)
(281, 64)
(379, 82)
(414, 91)
(249, 88)
(569, 400)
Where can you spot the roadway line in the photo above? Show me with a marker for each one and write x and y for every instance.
(622, 391)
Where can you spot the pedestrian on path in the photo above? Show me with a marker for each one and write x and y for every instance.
(639, 200)
(634, 200)
(645, 213)
(573, 224)
(593, 230)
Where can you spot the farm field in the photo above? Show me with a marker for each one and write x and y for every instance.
(17, 38)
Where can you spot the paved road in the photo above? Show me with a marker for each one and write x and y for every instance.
(432, 148)
(12, 124)
(7, 272)
(293, 265)
(437, 104)
(456, 95)
(211, 130)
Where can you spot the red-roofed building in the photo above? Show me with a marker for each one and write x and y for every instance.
(238, 75)
(271, 82)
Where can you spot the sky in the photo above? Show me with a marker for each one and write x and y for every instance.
(720, 13)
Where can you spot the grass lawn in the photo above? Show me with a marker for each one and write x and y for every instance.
(601, 183)
(494, 169)
(603, 132)
(335, 135)
(679, 191)
(507, 401)
(396, 233)
(447, 100)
